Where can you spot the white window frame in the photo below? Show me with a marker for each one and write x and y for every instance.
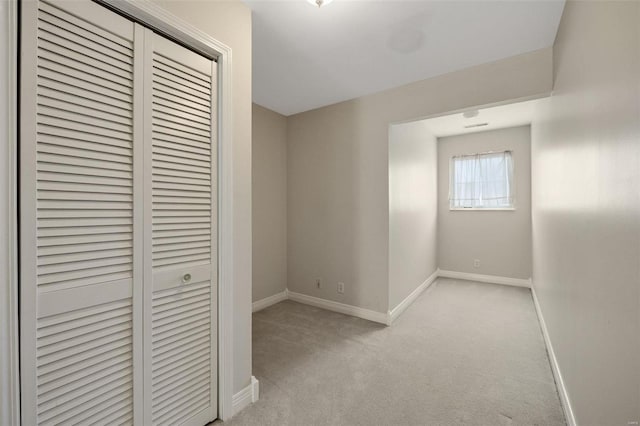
(157, 18)
(482, 209)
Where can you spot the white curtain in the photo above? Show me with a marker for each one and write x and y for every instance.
(482, 181)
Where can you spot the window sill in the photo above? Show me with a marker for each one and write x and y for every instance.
(481, 209)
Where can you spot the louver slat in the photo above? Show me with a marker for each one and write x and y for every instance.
(104, 346)
(188, 363)
(170, 158)
(87, 148)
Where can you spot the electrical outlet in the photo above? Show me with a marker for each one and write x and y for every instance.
(318, 282)
(476, 263)
(341, 288)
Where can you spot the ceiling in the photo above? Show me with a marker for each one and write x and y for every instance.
(498, 117)
(305, 57)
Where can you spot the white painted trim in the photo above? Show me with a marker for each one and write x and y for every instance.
(339, 307)
(261, 304)
(492, 279)
(153, 16)
(394, 313)
(555, 367)
(481, 209)
(246, 396)
(9, 320)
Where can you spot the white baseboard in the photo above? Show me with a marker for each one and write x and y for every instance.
(562, 390)
(391, 315)
(268, 301)
(320, 303)
(493, 279)
(402, 306)
(246, 396)
(339, 307)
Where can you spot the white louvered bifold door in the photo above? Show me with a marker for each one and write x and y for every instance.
(81, 282)
(118, 267)
(180, 235)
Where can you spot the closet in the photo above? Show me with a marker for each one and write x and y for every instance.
(118, 221)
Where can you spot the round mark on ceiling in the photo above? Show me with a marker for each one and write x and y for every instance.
(406, 40)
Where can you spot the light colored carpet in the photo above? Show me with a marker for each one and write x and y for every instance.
(463, 353)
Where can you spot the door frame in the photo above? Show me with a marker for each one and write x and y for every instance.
(9, 316)
(160, 20)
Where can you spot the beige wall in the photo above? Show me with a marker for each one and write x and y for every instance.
(586, 210)
(269, 202)
(413, 208)
(338, 180)
(501, 240)
(229, 21)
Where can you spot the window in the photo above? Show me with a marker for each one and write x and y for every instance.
(481, 181)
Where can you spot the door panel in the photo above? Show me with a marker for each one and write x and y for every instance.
(180, 234)
(77, 214)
